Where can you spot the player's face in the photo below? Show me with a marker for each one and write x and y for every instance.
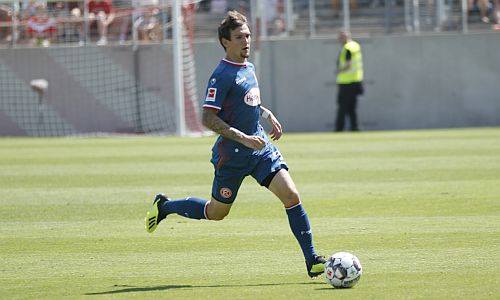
(238, 48)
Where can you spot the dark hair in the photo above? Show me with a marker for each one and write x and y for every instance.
(232, 20)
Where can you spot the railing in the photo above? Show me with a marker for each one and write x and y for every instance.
(32, 23)
(43, 23)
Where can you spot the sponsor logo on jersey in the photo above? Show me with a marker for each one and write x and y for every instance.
(225, 193)
(252, 98)
(211, 93)
(241, 80)
(213, 81)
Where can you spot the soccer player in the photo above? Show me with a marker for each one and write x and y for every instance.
(232, 109)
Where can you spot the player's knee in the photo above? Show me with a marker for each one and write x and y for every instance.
(215, 213)
(219, 216)
(291, 198)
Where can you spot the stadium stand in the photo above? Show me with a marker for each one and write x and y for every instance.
(148, 21)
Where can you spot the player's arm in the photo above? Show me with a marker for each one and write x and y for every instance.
(217, 125)
(277, 129)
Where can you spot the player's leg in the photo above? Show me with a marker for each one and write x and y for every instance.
(284, 188)
(190, 207)
(196, 208)
(216, 210)
(272, 172)
(224, 190)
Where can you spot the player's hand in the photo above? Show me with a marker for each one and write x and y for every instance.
(253, 141)
(276, 130)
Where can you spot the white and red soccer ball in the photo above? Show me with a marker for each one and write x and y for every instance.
(343, 270)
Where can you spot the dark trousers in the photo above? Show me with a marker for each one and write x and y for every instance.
(347, 100)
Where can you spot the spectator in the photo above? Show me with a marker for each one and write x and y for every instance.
(148, 25)
(483, 8)
(274, 16)
(5, 23)
(101, 12)
(496, 12)
(41, 27)
(147, 20)
(61, 14)
(76, 19)
(124, 11)
(29, 7)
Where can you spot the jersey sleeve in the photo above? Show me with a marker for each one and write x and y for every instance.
(217, 89)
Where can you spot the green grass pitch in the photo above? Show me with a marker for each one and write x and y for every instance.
(421, 209)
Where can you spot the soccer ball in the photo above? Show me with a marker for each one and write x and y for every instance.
(343, 270)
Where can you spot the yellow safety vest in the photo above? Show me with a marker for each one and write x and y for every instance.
(355, 72)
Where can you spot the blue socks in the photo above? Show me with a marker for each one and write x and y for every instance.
(299, 223)
(194, 208)
(190, 207)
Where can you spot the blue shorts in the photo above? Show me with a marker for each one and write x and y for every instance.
(231, 169)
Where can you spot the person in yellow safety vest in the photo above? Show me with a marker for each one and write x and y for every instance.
(349, 81)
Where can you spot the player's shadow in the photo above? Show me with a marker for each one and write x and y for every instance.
(132, 289)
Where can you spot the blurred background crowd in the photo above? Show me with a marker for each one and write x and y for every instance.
(42, 23)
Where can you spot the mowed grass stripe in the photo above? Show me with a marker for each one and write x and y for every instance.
(250, 226)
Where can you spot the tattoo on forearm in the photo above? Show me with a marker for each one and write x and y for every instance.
(217, 125)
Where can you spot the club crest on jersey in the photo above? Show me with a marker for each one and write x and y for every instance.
(225, 193)
(252, 98)
(211, 93)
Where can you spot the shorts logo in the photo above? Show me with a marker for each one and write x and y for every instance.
(225, 193)
(211, 93)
